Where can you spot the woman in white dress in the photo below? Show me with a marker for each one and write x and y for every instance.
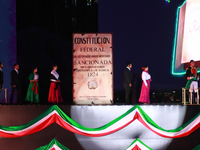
(146, 78)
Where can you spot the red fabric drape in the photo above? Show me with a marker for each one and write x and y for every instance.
(136, 148)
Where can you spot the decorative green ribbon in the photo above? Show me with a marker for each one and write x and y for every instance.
(137, 140)
(197, 148)
(54, 141)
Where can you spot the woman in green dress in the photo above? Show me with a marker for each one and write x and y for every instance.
(33, 89)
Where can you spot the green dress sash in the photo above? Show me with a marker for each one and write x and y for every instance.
(33, 90)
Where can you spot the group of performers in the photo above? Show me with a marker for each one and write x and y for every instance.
(192, 83)
(32, 95)
(55, 94)
(146, 78)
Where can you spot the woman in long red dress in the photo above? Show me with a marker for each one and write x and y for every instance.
(146, 78)
(54, 91)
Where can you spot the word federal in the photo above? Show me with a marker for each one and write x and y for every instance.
(92, 49)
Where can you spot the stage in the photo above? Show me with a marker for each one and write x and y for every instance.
(99, 127)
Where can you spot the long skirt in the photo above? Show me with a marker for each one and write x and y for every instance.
(54, 93)
(144, 95)
(32, 95)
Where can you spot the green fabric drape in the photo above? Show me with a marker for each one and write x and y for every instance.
(54, 141)
(31, 96)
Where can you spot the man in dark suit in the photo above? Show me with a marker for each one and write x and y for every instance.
(1, 75)
(15, 83)
(128, 81)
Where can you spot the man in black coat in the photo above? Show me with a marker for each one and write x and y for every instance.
(15, 83)
(1, 75)
(128, 81)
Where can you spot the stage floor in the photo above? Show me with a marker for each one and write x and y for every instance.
(100, 127)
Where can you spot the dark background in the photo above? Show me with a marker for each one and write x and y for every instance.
(44, 38)
(143, 33)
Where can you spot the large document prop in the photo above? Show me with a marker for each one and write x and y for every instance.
(92, 68)
(187, 45)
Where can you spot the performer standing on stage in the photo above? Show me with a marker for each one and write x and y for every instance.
(15, 83)
(192, 83)
(54, 91)
(1, 76)
(128, 81)
(146, 78)
(33, 88)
